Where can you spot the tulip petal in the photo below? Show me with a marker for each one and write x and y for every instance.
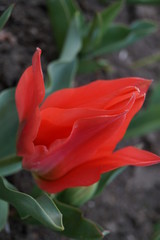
(131, 113)
(57, 123)
(85, 141)
(135, 157)
(29, 94)
(83, 144)
(90, 172)
(89, 95)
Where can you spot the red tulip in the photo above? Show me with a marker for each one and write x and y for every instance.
(68, 140)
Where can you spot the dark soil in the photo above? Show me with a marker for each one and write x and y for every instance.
(130, 206)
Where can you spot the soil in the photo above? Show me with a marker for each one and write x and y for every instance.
(130, 206)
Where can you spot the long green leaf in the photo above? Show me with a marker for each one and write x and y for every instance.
(78, 227)
(106, 179)
(62, 71)
(3, 214)
(146, 121)
(156, 234)
(100, 24)
(80, 195)
(93, 65)
(10, 165)
(5, 16)
(77, 196)
(60, 75)
(73, 42)
(43, 210)
(154, 99)
(8, 123)
(119, 36)
(61, 13)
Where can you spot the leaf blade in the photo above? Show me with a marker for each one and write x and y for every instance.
(8, 123)
(61, 13)
(4, 214)
(10, 165)
(27, 206)
(85, 229)
(5, 16)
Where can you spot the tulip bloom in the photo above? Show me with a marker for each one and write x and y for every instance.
(69, 139)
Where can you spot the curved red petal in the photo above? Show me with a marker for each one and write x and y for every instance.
(90, 172)
(83, 144)
(57, 123)
(88, 95)
(29, 94)
(135, 157)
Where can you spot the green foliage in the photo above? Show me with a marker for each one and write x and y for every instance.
(119, 36)
(154, 99)
(82, 43)
(4, 214)
(9, 162)
(80, 195)
(10, 165)
(8, 123)
(60, 75)
(78, 227)
(62, 71)
(148, 119)
(40, 210)
(90, 65)
(156, 234)
(99, 25)
(5, 16)
(77, 196)
(61, 14)
(107, 178)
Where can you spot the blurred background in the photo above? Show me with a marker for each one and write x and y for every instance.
(130, 206)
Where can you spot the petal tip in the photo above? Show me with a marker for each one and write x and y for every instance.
(38, 50)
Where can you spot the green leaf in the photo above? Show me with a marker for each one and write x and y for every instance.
(154, 98)
(78, 227)
(62, 71)
(77, 196)
(100, 24)
(5, 16)
(8, 123)
(42, 209)
(9, 162)
(4, 214)
(93, 65)
(142, 28)
(119, 36)
(80, 195)
(156, 234)
(10, 165)
(106, 179)
(73, 42)
(146, 121)
(61, 13)
(60, 75)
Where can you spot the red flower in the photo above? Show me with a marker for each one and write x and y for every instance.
(69, 139)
